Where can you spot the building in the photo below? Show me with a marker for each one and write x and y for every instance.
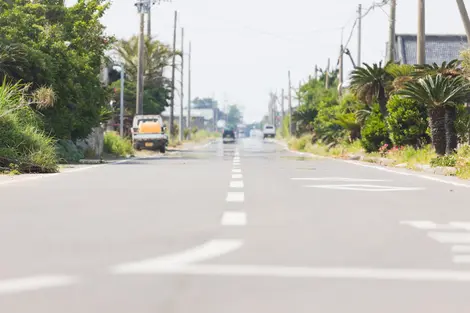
(200, 118)
(439, 48)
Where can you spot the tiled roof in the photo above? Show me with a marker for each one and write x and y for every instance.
(439, 48)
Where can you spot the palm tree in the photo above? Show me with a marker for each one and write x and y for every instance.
(401, 74)
(157, 58)
(370, 83)
(13, 61)
(440, 94)
(451, 69)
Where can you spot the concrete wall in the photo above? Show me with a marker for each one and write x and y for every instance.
(94, 143)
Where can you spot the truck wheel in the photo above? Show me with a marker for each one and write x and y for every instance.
(162, 149)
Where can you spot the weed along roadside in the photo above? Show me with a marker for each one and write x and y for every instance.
(389, 116)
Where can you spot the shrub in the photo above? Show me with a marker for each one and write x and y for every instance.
(374, 133)
(114, 144)
(407, 122)
(68, 152)
(299, 144)
(447, 161)
(462, 124)
(186, 132)
(22, 141)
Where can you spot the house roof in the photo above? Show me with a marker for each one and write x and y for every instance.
(439, 48)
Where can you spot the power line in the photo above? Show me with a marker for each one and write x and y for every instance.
(374, 6)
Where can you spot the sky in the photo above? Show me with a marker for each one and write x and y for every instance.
(242, 50)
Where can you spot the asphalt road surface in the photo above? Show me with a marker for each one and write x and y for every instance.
(236, 228)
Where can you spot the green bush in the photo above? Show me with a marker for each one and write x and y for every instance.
(114, 144)
(23, 142)
(407, 122)
(374, 133)
(447, 161)
(462, 124)
(68, 152)
(299, 144)
(186, 133)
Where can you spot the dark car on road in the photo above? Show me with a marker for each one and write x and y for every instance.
(228, 135)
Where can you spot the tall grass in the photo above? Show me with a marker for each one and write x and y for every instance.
(114, 144)
(22, 139)
(202, 135)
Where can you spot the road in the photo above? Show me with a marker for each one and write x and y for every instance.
(234, 228)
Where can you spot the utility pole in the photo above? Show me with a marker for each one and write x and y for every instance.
(359, 34)
(121, 113)
(290, 104)
(316, 72)
(421, 39)
(391, 32)
(282, 106)
(300, 98)
(173, 68)
(149, 23)
(142, 7)
(341, 71)
(181, 126)
(327, 75)
(188, 121)
(465, 19)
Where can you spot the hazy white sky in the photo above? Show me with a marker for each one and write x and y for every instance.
(243, 49)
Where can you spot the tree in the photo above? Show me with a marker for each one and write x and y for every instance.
(440, 94)
(204, 103)
(234, 116)
(64, 48)
(156, 86)
(370, 83)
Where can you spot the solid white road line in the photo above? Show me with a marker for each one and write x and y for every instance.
(236, 170)
(380, 168)
(34, 283)
(412, 275)
(235, 197)
(236, 184)
(460, 249)
(427, 225)
(233, 219)
(237, 176)
(209, 250)
(408, 174)
(461, 259)
(357, 187)
(450, 237)
(341, 179)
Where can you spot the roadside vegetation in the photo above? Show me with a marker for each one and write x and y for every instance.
(396, 115)
(116, 145)
(50, 89)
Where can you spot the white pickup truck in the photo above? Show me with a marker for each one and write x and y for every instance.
(148, 132)
(269, 131)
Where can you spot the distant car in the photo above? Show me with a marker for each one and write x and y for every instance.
(269, 131)
(228, 135)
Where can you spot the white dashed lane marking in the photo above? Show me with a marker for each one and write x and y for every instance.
(233, 219)
(236, 184)
(235, 197)
(450, 237)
